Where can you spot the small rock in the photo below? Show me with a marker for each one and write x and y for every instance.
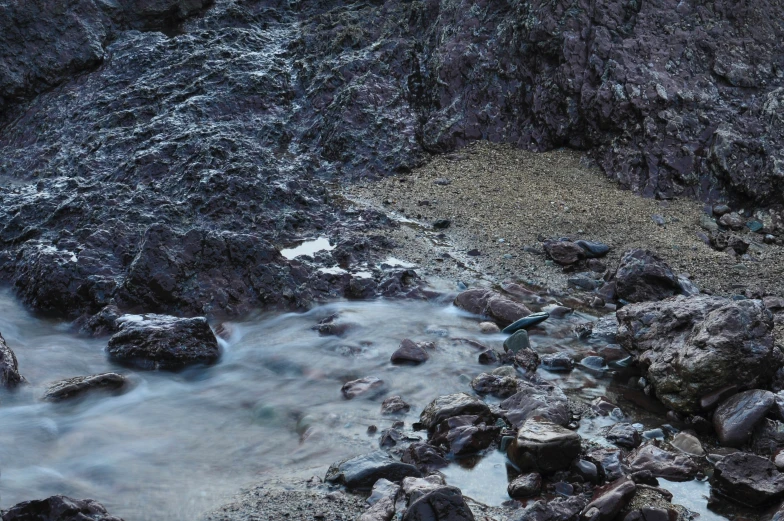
(586, 470)
(445, 503)
(735, 419)
(688, 444)
(491, 304)
(658, 219)
(444, 407)
(593, 249)
(488, 357)
(733, 221)
(754, 226)
(517, 342)
(409, 352)
(9, 368)
(558, 362)
(394, 405)
(721, 209)
(500, 386)
(355, 388)
(425, 457)
(81, 385)
(609, 500)
(642, 276)
(537, 400)
(662, 464)
(525, 485)
(624, 435)
(564, 253)
(464, 435)
(544, 446)
(489, 328)
(708, 224)
(442, 181)
(363, 471)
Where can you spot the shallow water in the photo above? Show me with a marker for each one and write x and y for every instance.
(179, 444)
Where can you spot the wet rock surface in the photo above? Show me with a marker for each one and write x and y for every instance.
(58, 508)
(689, 346)
(491, 304)
(544, 446)
(748, 479)
(662, 464)
(82, 385)
(643, 276)
(448, 406)
(736, 417)
(163, 342)
(9, 367)
(363, 471)
(410, 352)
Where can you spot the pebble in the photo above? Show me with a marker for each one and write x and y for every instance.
(489, 327)
(658, 219)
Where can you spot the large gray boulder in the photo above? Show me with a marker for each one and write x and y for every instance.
(694, 346)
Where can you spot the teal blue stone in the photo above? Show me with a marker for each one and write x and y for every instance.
(754, 226)
(517, 342)
(526, 322)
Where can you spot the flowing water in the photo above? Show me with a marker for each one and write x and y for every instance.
(178, 444)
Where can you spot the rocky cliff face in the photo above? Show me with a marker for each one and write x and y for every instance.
(123, 121)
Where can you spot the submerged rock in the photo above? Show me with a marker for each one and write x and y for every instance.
(544, 446)
(81, 385)
(695, 346)
(361, 386)
(491, 304)
(736, 417)
(9, 367)
(58, 508)
(748, 479)
(394, 405)
(363, 471)
(163, 342)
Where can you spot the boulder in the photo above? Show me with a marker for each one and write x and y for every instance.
(544, 446)
(9, 367)
(748, 479)
(81, 385)
(361, 472)
(525, 486)
(58, 508)
(410, 352)
(736, 417)
(163, 342)
(609, 500)
(695, 346)
(491, 304)
(662, 464)
(445, 407)
(442, 504)
(464, 435)
(642, 276)
(361, 386)
(531, 400)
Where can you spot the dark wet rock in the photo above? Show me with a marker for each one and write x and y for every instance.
(537, 400)
(736, 417)
(394, 405)
(691, 346)
(163, 342)
(525, 485)
(748, 479)
(612, 353)
(721, 209)
(526, 322)
(558, 362)
(652, 514)
(564, 253)
(464, 435)
(642, 276)
(688, 444)
(544, 446)
(593, 364)
(602, 331)
(624, 435)
(445, 407)
(558, 509)
(381, 501)
(609, 460)
(391, 437)
(491, 304)
(526, 359)
(583, 282)
(662, 464)
(410, 352)
(442, 504)
(9, 367)
(442, 224)
(368, 384)
(517, 342)
(363, 471)
(496, 385)
(488, 357)
(587, 470)
(593, 249)
(81, 385)
(768, 437)
(609, 500)
(425, 457)
(58, 508)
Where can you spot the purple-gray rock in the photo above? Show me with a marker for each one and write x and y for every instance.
(9, 367)
(81, 385)
(362, 386)
(624, 435)
(425, 457)
(564, 253)
(494, 384)
(441, 504)
(58, 508)
(394, 405)
(447, 406)
(525, 486)
(662, 464)
(643, 276)
(593, 249)
(558, 509)
(163, 342)
(363, 471)
(694, 346)
(544, 446)
(768, 437)
(748, 479)
(609, 500)
(736, 417)
(537, 400)
(464, 435)
(410, 352)
(488, 303)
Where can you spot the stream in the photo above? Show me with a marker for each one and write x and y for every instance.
(178, 444)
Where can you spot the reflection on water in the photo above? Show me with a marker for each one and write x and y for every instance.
(179, 444)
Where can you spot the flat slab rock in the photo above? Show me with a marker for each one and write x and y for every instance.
(58, 508)
(163, 342)
(362, 472)
(9, 367)
(736, 417)
(662, 464)
(491, 304)
(81, 385)
(544, 446)
(748, 479)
